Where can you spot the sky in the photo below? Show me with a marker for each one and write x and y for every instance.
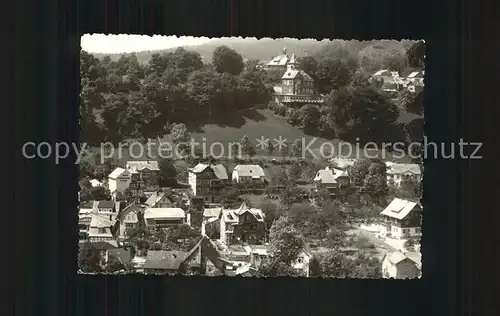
(110, 44)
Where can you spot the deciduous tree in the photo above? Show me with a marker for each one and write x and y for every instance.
(227, 60)
(168, 172)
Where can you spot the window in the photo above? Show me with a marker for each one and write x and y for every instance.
(417, 230)
(101, 230)
(300, 260)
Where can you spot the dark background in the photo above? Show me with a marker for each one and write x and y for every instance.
(40, 247)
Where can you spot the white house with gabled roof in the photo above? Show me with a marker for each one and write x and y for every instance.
(118, 181)
(398, 173)
(401, 219)
(248, 174)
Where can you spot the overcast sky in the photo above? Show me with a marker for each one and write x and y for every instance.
(100, 43)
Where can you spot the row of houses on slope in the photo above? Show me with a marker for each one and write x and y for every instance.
(393, 82)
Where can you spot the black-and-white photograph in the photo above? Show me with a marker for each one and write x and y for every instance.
(251, 157)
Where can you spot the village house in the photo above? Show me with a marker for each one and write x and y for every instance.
(278, 62)
(95, 183)
(396, 265)
(210, 225)
(398, 173)
(335, 181)
(156, 218)
(208, 181)
(102, 228)
(107, 207)
(248, 174)
(195, 209)
(389, 81)
(144, 176)
(242, 225)
(102, 248)
(122, 255)
(401, 219)
(297, 87)
(416, 77)
(119, 181)
(159, 200)
(202, 259)
(343, 164)
(383, 75)
(84, 218)
(258, 255)
(129, 218)
(302, 262)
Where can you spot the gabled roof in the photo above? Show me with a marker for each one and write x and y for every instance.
(280, 60)
(123, 255)
(415, 74)
(231, 216)
(117, 172)
(105, 204)
(307, 251)
(172, 260)
(294, 73)
(219, 170)
(164, 212)
(399, 208)
(249, 171)
(95, 183)
(383, 72)
(342, 163)
(131, 209)
(157, 197)
(101, 221)
(396, 257)
(139, 165)
(325, 176)
(212, 212)
(400, 168)
(164, 260)
(101, 245)
(86, 205)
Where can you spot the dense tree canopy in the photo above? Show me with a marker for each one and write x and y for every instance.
(365, 113)
(416, 55)
(227, 60)
(142, 101)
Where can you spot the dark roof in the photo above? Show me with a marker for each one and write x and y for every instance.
(87, 204)
(164, 260)
(99, 245)
(122, 254)
(135, 208)
(106, 204)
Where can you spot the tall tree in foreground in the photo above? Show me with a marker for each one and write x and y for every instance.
(180, 136)
(332, 74)
(375, 182)
(89, 258)
(168, 173)
(246, 147)
(227, 60)
(416, 55)
(285, 243)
